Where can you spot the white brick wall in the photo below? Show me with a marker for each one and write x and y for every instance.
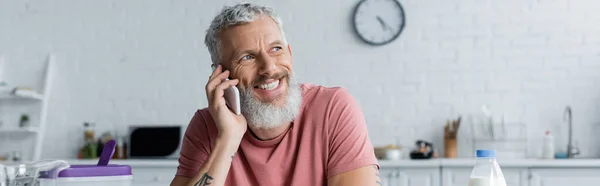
(143, 62)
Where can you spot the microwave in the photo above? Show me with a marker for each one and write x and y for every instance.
(155, 142)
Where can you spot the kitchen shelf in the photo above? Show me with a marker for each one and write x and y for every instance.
(30, 130)
(23, 94)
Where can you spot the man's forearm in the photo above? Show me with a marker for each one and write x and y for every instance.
(215, 169)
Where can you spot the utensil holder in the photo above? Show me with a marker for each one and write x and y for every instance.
(450, 147)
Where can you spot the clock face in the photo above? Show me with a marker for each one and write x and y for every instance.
(378, 22)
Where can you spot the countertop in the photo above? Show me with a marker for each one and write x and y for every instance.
(467, 162)
(406, 163)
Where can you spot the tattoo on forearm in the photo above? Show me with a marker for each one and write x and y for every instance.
(377, 179)
(205, 180)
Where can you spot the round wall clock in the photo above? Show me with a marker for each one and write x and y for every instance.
(378, 22)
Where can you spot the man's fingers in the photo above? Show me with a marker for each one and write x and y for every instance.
(219, 91)
(216, 80)
(228, 83)
(216, 71)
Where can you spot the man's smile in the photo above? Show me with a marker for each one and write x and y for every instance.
(270, 89)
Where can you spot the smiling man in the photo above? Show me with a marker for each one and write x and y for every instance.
(288, 133)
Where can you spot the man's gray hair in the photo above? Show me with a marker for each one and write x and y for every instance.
(232, 16)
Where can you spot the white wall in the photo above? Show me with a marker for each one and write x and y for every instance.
(144, 62)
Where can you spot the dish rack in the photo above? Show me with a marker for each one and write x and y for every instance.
(486, 132)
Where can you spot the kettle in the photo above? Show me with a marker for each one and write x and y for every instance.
(423, 150)
(40, 173)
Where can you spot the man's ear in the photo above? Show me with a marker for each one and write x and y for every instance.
(290, 49)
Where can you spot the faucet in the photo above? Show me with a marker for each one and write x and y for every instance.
(571, 150)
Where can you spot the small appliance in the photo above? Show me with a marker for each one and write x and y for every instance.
(152, 142)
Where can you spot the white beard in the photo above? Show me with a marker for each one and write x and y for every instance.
(262, 115)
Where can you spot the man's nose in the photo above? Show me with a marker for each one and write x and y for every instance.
(268, 65)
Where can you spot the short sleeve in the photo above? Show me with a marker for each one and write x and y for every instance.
(195, 146)
(349, 143)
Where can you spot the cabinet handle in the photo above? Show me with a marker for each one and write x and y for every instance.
(391, 174)
(157, 178)
(391, 178)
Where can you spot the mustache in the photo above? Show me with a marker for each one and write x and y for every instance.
(263, 78)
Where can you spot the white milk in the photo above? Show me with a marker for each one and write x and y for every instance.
(483, 181)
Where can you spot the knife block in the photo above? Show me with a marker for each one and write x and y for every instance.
(450, 150)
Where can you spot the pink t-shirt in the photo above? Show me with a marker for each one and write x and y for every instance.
(328, 137)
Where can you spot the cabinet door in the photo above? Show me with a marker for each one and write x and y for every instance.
(388, 176)
(151, 176)
(565, 177)
(459, 176)
(419, 177)
(149, 184)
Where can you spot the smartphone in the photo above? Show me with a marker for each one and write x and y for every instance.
(232, 97)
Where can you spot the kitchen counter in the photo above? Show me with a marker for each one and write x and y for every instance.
(405, 163)
(464, 162)
(433, 163)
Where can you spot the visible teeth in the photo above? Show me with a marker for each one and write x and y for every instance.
(269, 86)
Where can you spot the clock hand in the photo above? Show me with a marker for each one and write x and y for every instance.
(383, 24)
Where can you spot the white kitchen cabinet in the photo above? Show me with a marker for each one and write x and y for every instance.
(564, 176)
(388, 176)
(161, 176)
(459, 176)
(153, 176)
(417, 173)
(420, 177)
(410, 176)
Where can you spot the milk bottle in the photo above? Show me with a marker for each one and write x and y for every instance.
(486, 171)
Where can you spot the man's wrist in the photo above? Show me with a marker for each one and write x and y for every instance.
(231, 144)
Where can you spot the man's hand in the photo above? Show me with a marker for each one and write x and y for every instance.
(231, 127)
(367, 175)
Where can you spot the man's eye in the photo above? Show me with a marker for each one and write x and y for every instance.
(275, 49)
(247, 57)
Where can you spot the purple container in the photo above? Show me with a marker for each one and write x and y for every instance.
(99, 170)
(95, 171)
(91, 171)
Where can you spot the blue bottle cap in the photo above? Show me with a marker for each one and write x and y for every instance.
(486, 153)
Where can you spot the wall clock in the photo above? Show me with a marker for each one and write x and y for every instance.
(378, 22)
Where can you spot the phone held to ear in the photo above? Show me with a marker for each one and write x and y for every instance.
(232, 98)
